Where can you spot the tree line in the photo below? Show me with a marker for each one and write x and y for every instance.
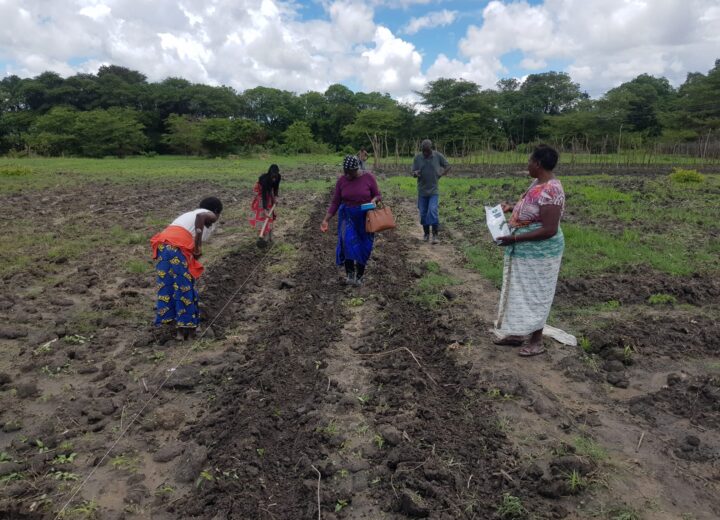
(118, 112)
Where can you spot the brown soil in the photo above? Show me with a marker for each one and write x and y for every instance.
(305, 390)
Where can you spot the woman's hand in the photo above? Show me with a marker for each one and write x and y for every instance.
(507, 240)
(324, 226)
(507, 207)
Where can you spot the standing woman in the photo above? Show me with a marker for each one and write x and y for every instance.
(177, 249)
(533, 255)
(354, 245)
(266, 192)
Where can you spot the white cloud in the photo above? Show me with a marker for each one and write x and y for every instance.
(392, 65)
(430, 20)
(246, 43)
(603, 42)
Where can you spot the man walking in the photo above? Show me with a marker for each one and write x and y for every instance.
(428, 167)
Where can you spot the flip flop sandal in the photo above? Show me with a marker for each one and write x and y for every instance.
(507, 342)
(527, 352)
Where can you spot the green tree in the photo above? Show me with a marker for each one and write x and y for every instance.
(54, 133)
(184, 135)
(299, 138)
(115, 131)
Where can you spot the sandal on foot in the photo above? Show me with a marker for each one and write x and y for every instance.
(509, 341)
(531, 350)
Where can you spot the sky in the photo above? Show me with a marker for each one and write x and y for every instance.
(393, 46)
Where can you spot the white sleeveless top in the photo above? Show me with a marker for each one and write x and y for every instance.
(187, 221)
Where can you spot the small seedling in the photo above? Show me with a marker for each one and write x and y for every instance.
(125, 463)
(41, 447)
(628, 352)
(330, 429)
(87, 509)
(156, 357)
(363, 399)
(164, 490)
(344, 473)
(379, 441)
(585, 344)
(44, 348)
(65, 476)
(511, 507)
(75, 339)
(4, 457)
(356, 302)
(611, 305)
(503, 424)
(205, 476)
(626, 514)
(340, 505)
(260, 452)
(64, 459)
(11, 477)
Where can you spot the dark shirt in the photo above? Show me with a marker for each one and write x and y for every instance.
(268, 187)
(430, 170)
(354, 192)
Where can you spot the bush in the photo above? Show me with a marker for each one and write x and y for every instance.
(12, 170)
(686, 176)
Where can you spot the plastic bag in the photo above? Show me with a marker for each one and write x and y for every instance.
(496, 222)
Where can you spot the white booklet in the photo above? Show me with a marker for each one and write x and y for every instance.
(496, 222)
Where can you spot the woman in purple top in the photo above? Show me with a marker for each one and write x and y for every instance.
(355, 245)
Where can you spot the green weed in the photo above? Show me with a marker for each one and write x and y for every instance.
(576, 482)
(138, 266)
(125, 463)
(9, 170)
(356, 302)
(585, 344)
(683, 176)
(340, 505)
(511, 507)
(586, 447)
(86, 510)
(662, 299)
(623, 514)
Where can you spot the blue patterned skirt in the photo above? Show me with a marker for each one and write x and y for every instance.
(177, 299)
(354, 243)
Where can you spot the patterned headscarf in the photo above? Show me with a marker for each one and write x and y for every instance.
(351, 163)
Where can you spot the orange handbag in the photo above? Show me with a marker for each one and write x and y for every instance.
(379, 219)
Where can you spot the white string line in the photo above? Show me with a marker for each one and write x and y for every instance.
(171, 372)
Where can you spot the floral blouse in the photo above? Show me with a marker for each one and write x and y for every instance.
(527, 209)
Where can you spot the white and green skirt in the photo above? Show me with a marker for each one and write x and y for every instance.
(530, 275)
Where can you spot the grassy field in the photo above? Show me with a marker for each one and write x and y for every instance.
(612, 222)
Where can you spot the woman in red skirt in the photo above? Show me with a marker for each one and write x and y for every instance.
(266, 192)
